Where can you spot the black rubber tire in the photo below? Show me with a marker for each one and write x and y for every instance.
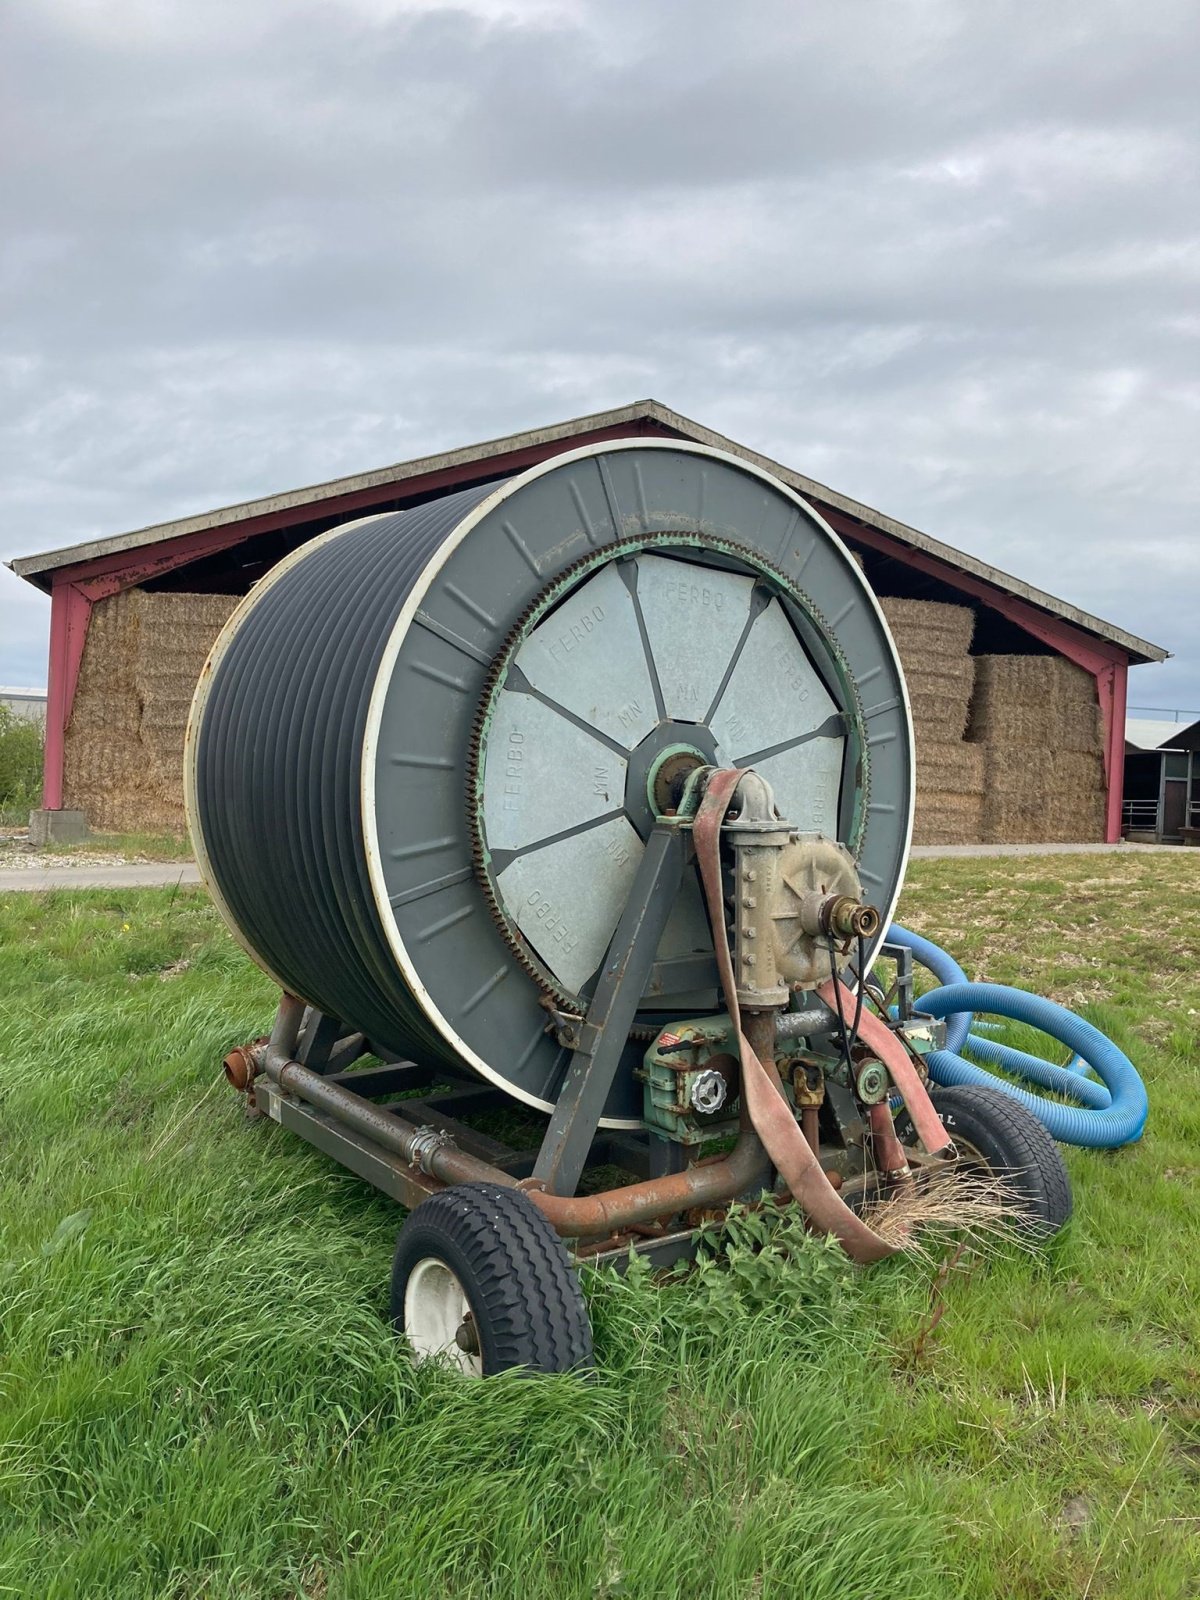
(1012, 1142)
(524, 1294)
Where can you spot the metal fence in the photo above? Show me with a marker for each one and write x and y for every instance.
(1141, 815)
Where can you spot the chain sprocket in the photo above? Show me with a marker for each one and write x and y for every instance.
(533, 613)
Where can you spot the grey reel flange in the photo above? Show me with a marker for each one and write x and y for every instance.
(428, 748)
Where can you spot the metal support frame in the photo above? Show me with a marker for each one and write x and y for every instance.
(601, 1038)
(436, 1100)
(420, 1138)
(318, 1040)
(406, 1182)
(903, 957)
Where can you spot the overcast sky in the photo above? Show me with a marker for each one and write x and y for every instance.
(940, 255)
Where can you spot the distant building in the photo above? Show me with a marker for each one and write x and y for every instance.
(1162, 782)
(28, 704)
(1018, 697)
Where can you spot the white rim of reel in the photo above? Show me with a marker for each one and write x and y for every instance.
(387, 666)
(379, 691)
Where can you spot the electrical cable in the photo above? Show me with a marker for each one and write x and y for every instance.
(837, 1000)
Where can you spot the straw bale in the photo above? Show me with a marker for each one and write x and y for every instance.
(933, 640)
(948, 819)
(124, 748)
(1043, 702)
(928, 629)
(950, 767)
(1049, 797)
(941, 700)
(950, 782)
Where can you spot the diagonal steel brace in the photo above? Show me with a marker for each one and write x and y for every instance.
(605, 1029)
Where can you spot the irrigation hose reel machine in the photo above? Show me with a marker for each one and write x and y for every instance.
(565, 811)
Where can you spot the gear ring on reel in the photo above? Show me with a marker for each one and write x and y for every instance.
(328, 748)
(685, 714)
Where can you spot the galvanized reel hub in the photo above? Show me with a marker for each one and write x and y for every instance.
(428, 749)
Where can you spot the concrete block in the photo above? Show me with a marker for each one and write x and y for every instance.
(57, 827)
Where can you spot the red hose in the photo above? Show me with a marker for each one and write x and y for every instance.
(770, 1113)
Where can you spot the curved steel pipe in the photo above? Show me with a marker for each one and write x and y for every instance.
(745, 1168)
(813, 1022)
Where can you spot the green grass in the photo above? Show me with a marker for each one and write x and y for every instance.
(199, 1397)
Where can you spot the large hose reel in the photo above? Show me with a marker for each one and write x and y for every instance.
(429, 748)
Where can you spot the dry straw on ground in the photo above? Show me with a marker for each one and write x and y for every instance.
(954, 1203)
(124, 747)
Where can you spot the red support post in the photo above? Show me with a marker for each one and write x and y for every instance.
(1112, 687)
(70, 610)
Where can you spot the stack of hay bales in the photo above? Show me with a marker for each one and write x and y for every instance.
(934, 642)
(1037, 721)
(123, 759)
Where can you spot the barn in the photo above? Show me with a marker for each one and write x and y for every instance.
(1018, 697)
(1162, 782)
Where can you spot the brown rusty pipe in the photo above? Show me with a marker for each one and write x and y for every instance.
(887, 1149)
(745, 1169)
(240, 1066)
(384, 1127)
(810, 1123)
(574, 1216)
(244, 1062)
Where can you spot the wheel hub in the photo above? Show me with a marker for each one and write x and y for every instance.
(436, 1311)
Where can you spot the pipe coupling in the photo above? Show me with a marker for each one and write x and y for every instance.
(837, 916)
(243, 1064)
(424, 1147)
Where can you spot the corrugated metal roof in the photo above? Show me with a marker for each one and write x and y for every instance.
(38, 568)
(1143, 733)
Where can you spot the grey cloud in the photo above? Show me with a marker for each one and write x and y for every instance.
(942, 257)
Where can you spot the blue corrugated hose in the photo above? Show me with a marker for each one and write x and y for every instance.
(1113, 1112)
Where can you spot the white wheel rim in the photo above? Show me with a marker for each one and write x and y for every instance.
(435, 1306)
